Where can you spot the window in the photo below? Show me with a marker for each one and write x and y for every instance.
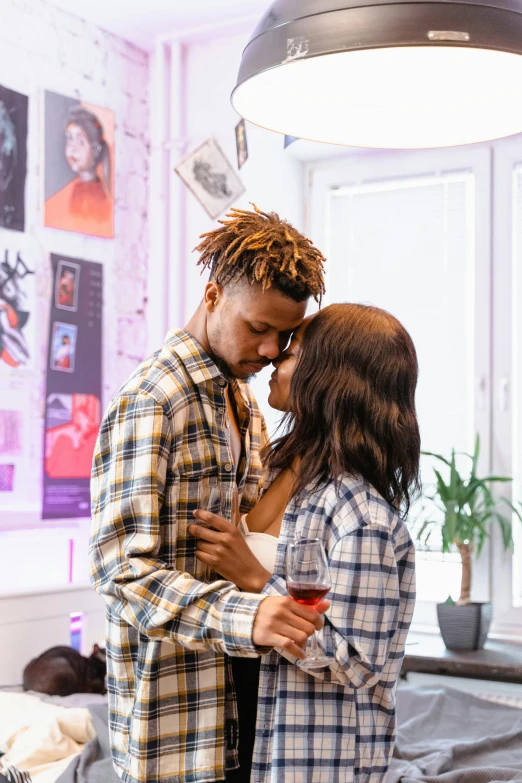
(410, 233)
(517, 376)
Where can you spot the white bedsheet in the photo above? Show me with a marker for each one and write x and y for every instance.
(41, 738)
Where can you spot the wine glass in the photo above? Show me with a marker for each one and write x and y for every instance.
(308, 581)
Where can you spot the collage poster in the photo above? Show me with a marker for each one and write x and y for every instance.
(13, 158)
(74, 386)
(79, 166)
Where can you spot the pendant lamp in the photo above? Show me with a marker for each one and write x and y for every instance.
(385, 73)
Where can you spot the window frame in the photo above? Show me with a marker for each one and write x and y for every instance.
(369, 167)
(507, 156)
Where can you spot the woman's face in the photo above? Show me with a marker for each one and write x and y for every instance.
(78, 149)
(285, 365)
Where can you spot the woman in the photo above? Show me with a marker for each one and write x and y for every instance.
(344, 473)
(86, 203)
(62, 358)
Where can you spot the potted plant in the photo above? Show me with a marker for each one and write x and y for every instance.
(468, 509)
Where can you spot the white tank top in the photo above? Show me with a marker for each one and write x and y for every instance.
(263, 546)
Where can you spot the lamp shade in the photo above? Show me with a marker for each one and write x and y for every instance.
(385, 74)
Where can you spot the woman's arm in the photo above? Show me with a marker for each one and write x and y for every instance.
(368, 585)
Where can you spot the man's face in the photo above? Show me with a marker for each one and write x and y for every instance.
(248, 328)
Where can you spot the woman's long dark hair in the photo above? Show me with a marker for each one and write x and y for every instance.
(352, 404)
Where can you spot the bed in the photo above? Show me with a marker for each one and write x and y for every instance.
(444, 736)
(47, 739)
(448, 736)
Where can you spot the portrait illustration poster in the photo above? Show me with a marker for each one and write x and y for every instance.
(13, 158)
(79, 166)
(74, 386)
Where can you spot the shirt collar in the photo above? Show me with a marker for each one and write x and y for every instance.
(197, 362)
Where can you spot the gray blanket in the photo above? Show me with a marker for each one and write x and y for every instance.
(445, 736)
(94, 765)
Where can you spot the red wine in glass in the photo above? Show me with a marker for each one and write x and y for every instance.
(307, 594)
(308, 581)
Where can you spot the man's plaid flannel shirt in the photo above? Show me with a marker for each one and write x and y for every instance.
(162, 446)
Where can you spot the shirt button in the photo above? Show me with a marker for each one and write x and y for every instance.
(228, 467)
(222, 382)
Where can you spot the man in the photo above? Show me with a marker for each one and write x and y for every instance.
(184, 427)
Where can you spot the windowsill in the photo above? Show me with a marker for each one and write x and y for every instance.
(433, 630)
(498, 661)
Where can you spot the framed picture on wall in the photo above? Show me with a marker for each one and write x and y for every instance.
(63, 347)
(67, 285)
(209, 174)
(241, 144)
(18, 308)
(79, 166)
(13, 158)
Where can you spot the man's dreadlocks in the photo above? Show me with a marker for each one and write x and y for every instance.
(264, 249)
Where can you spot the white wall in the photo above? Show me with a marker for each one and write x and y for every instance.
(75, 58)
(273, 179)
(44, 48)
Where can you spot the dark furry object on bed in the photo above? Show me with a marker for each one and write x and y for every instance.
(62, 671)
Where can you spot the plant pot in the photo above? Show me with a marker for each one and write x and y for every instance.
(464, 627)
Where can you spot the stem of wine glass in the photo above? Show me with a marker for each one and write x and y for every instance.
(314, 650)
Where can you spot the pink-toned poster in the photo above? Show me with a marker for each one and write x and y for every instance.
(13, 452)
(71, 429)
(11, 427)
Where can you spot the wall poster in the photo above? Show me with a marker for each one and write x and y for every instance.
(208, 173)
(13, 158)
(79, 166)
(74, 386)
(241, 144)
(14, 451)
(17, 312)
(290, 140)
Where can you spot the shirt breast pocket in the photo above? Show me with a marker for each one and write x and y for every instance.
(196, 489)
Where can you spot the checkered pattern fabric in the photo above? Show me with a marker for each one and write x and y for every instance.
(162, 447)
(337, 725)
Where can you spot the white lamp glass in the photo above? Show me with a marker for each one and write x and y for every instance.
(395, 98)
